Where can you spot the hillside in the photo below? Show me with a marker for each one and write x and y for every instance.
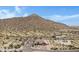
(33, 21)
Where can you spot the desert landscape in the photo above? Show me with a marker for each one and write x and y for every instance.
(35, 33)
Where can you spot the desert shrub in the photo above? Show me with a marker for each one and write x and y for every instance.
(7, 37)
(53, 48)
(40, 37)
(17, 46)
(10, 46)
(16, 39)
(4, 47)
(76, 47)
(33, 45)
(37, 43)
(20, 39)
(72, 47)
(22, 43)
(4, 42)
(53, 36)
(35, 37)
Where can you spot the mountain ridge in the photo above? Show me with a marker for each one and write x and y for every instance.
(33, 21)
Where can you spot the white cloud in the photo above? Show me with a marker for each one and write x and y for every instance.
(9, 14)
(72, 16)
(69, 20)
(61, 17)
(17, 9)
(25, 14)
(6, 14)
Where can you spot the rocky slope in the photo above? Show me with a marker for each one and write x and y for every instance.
(31, 22)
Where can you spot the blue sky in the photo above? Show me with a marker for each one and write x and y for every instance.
(64, 14)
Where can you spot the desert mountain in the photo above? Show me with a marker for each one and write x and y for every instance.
(31, 22)
(34, 33)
